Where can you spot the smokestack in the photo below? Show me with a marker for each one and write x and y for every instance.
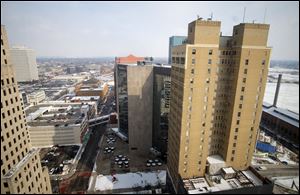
(277, 90)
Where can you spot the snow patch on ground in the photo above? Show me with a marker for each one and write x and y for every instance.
(288, 95)
(130, 180)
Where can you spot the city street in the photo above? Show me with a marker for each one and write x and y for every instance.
(78, 182)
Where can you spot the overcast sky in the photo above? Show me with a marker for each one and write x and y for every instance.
(97, 29)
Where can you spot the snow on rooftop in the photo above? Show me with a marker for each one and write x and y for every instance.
(85, 98)
(199, 183)
(223, 185)
(256, 181)
(130, 180)
(228, 170)
(287, 182)
(215, 159)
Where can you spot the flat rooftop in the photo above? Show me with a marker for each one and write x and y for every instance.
(54, 114)
(85, 98)
(216, 183)
(285, 115)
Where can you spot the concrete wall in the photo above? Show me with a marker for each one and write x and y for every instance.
(50, 135)
(24, 61)
(140, 101)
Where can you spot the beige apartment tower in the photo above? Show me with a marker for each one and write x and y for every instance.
(21, 170)
(218, 84)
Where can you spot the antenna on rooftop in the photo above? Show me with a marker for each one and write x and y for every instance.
(244, 14)
(265, 15)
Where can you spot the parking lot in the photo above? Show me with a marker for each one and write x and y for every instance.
(114, 157)
(58, 159)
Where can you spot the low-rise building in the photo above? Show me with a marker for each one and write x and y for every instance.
(282, 125)
(36, 97)
(91, 87)
(58, 122)
(100, 91)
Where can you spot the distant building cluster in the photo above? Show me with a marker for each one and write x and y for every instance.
(197, 125)
(91, 87)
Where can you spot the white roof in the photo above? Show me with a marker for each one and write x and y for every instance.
(223, 185)
(87, 98)
(215, 159)
(130, 180)
(228, 170)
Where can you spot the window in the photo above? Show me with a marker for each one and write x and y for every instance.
(245, 71)
(208, 70)
(193, 61)
(242, 97)
(236, 130)
(209, 61)
(263, 62)
(233, 151)
(239, 114)
(182, 60)
(210, 52)
(3, 52)
(4, 92)
(173, 60)
(244, 80)
(232, 159)
(246, 62)
(234, 144)
(238, 122)
(194, 51)
(243, 89)
(192, 71)
(5, 61)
